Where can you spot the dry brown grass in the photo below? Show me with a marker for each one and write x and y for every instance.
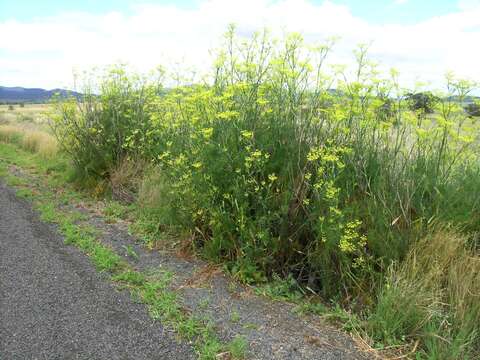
(445, 264)
(27, 109)
(203, 276)
(453, 271)
(10, 133)
(31, 116)
(125, 179)
(434, 295)
(35, 141)
(40, 142)
(151, 192)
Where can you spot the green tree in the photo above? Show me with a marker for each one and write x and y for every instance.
(472, 109)
(422, 101)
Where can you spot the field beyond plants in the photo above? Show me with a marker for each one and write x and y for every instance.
(335, 182)
(26, 114)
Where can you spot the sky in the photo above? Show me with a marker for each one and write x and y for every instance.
(43, 42)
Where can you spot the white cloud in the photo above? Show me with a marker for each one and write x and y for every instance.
(44, 52)
(400, 2)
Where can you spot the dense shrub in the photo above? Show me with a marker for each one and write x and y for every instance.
(422, 101)
(473, 109)
(268, 169)
(107, 123)
(274, 173)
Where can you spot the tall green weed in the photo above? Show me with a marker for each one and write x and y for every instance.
(277, 165)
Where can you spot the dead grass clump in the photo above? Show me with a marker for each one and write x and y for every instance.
(39, 142)
(434, 295)
(202, 277)
(6, 117)
(151, 191)
(34, 141)
(125, 179)
(10, 133)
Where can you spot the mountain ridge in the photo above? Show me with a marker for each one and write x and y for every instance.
(16, 94)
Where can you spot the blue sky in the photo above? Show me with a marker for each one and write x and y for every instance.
(407, 12)
(43, 41)
(378, 11)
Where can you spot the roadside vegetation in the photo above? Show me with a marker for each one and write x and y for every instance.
(150, 287)
(311, 182)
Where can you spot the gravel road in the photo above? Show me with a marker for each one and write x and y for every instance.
(55, 305)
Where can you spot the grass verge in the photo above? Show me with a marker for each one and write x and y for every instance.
(151, 288)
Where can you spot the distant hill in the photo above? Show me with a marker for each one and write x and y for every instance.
(34, 95)
(467, 100)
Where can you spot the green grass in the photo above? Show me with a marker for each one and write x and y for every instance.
(203, 304)
(287, 289)
(25, 193)
(130, 252)
(105, 259)
(238, 347)
(235, 317)
(48, 212)
(114, 211)
(130, 278)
